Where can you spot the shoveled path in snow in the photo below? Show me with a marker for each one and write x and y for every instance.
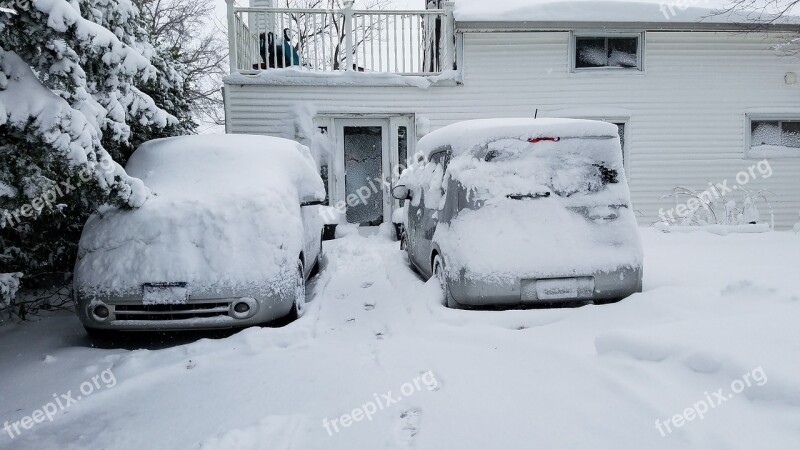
(714, 308)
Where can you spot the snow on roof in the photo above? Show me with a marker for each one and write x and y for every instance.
(645, 11)
(297, 76)
(466, 136)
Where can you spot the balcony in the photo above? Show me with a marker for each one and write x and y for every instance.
(410, 42)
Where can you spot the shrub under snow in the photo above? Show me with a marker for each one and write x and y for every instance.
(9, 284)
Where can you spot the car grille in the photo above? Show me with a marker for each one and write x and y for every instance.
(170, 312)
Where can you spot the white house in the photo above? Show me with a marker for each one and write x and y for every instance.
(700, 100)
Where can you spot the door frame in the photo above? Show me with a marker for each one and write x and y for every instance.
(340, 166)
(331, 122)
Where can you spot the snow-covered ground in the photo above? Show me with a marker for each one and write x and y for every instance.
(719, 315)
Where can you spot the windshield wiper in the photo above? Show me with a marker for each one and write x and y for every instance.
(523, 196)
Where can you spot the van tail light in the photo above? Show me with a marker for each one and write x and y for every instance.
(540, 139)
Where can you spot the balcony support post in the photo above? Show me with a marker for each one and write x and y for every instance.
(233, 51)
(348, 34)
(449, 51)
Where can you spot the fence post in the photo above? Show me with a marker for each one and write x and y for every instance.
(233, 51)
(348, 34)
(449, 50)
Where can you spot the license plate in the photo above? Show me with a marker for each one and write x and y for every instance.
(165, 294)
(556, 289)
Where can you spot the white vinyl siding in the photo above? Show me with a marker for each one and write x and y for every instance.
(685, 112)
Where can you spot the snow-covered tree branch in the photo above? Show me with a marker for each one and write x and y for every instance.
(80, 86)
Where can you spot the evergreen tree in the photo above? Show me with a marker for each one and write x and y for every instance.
(80, 88)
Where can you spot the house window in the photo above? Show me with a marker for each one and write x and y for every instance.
(771, 137)
(607, 52)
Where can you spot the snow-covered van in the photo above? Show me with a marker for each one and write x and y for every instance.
(515, 212)
(227, 239)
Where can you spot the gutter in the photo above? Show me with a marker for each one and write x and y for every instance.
(529, 26)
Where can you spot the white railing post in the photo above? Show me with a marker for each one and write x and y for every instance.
(348, 34)
(232, 48)
(449, 50)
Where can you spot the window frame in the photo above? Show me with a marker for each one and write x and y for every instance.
(749, 153)
(573, 51)
(626, 127)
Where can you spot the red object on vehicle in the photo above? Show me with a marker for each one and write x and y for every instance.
(535, 140)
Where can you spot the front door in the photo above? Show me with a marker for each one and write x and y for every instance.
(363, 147)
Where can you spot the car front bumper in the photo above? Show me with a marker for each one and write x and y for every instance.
(200, 312)
(599, 287)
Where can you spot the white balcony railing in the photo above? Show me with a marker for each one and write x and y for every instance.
(417, 42)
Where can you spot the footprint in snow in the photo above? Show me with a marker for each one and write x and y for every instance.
(408, 426)
(366, 284)
(369, 306)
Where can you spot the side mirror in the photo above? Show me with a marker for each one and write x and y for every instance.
(401, 193)
(312, 203)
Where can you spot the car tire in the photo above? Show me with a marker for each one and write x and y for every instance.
(404, 247)
(439, 274)
(299, 303)
(317, 262)
(102, 338)
(606, 301)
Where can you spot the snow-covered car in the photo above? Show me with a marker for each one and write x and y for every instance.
(515, 212)
(227, 239)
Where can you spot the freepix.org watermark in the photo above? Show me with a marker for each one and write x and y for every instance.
(373, 186)
(716, 191)
(670, 9)
(710, 401)
(380, 402)
(60, 402)
(49, 198)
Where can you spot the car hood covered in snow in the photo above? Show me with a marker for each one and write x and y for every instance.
(225, 215)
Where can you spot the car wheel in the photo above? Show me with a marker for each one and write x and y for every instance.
(102, 338)
(404, 247)
(299, 304)
(317, 263)
(606, 301)
(439, 273)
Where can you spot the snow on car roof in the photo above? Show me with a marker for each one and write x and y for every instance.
(211, 165)
(465, 137)
(650, 11)
(225, 214)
